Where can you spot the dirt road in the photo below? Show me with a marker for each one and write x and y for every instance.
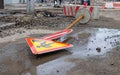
(96, 48)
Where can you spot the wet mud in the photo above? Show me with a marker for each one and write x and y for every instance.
(91, 46)
(17, 59)
(96, 48)
(95, 41)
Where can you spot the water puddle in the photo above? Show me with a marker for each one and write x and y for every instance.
(87, 43)
(92, 42)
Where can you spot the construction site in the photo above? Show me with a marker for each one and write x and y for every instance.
(53, 38)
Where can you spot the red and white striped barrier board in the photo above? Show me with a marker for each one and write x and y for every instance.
(71, 10)
(46, 44)
(116, 5)
(113, 5)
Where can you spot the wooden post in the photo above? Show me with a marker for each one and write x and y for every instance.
(1, 4)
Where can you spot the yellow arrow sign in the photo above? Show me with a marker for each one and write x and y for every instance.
(40, 46)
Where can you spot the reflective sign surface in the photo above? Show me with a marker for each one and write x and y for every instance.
(39, 46)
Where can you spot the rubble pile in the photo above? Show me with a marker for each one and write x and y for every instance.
(32, 22)
(8, 19)
(9, 32)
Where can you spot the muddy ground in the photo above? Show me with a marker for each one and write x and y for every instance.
(96, 48)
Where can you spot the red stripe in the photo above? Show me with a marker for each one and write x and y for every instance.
(34, 51)
(64, 10)
(116, 5)
(73, 10)
(77, 8)
(68, 11)
(91, 10)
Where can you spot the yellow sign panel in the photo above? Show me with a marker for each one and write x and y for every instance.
(39, 46)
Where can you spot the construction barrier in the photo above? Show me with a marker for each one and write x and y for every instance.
(116, 5)
(112, 5)
(71, 10)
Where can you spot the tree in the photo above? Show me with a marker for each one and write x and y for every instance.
(1, 4)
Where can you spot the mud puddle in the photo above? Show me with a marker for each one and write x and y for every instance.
(87, 43)
(91, 42)
(17, 59)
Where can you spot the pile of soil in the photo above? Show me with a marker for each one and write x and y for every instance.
(32, 22)
(54, 23)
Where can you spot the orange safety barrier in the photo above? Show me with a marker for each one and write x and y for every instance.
(114, 5)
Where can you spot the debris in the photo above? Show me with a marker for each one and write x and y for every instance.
(6, 24)
(98, 49)
(89, 48)
(48, 14)
(57, 71)
(112, 64)
(104, 47)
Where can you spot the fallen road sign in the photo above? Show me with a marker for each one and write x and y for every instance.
(40, 46)
(57, 34)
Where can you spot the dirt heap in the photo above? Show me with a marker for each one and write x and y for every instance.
(31, 22)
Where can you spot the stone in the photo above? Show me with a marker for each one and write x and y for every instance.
(98, 49)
